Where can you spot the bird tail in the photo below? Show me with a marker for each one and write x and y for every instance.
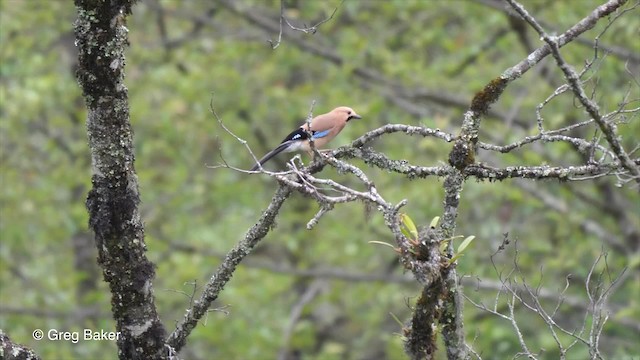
(282, 147)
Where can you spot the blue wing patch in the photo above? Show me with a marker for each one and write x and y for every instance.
(320, 134)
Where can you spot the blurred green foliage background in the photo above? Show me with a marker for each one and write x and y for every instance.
(185, 54)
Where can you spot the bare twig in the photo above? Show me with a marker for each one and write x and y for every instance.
(515, 284)
(608, 129)
(307, 30)
(310, 293)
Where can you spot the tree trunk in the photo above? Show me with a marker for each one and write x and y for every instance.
(114, 217)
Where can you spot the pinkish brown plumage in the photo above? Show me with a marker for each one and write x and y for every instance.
(323, 129)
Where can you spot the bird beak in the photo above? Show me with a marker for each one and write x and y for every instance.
(354, 116)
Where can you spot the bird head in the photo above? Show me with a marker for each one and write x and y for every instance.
(346, 113)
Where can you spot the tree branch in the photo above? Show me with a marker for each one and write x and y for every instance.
(609, 130)
(224, 272)
(15, 351)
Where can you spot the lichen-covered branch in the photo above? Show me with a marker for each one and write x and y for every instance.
(608, 129)
(564, 173)
(451, 316)
(114, 216)
(440, 303)
(569, 35)
(225, 271)
(10, 350)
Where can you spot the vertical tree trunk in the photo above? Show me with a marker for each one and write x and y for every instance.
(101, 37)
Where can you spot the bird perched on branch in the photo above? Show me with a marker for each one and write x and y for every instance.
(322, 130)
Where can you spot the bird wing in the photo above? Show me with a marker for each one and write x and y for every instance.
(298, 134)
(282, 147)
(319, 134)
(292, 142)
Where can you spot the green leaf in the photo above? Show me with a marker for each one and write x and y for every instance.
(455, 257)
(444, 243)
(434, 222)
(382, 243)
(465, 243)
(409, 228)
(396, 319)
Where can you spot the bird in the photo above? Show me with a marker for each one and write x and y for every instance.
(322, 130)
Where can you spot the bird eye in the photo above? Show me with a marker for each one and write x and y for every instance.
(348, 112)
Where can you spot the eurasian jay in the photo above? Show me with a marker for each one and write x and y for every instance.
(323, 129)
